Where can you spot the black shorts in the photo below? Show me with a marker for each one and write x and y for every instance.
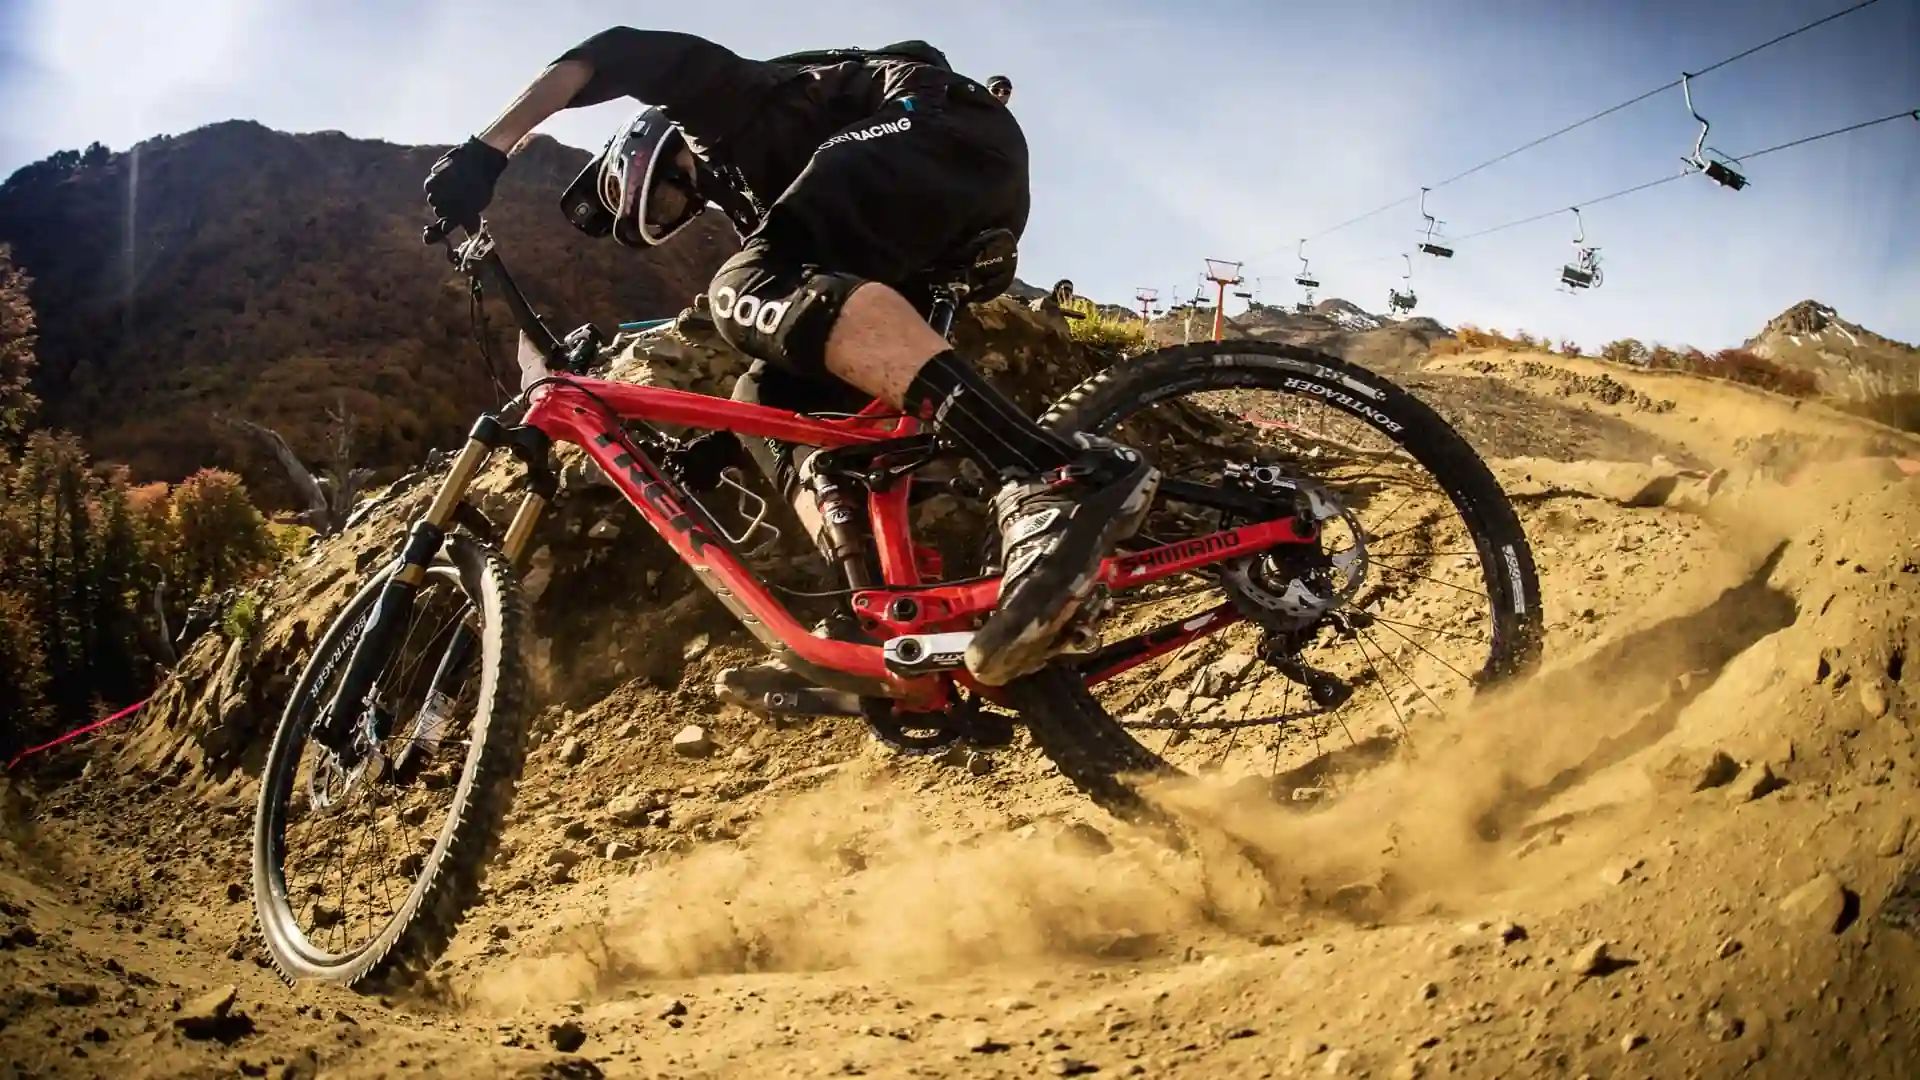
(885, 200)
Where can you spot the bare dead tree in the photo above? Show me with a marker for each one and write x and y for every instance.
(167, 654)
(329, 495)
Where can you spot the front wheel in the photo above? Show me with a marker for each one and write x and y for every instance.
(366, 871)
(1214, 409)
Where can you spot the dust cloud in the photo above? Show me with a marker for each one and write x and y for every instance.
(845, 877)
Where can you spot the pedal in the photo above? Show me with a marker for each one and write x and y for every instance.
(923, 654)
(813, 701)
(792, 699)
(1077, 640)
(1080, 637)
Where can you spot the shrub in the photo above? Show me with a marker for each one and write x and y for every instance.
(1626, 351)
(237, 622)
(1122, 335)
(1743, 366)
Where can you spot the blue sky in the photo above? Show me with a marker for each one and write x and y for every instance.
(1163, 134)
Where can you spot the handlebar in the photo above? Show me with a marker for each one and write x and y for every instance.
(477, 258)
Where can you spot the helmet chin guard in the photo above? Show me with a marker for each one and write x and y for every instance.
(637, 189)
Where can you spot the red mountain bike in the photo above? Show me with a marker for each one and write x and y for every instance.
(375, 704)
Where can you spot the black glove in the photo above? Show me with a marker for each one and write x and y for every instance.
(460, 184)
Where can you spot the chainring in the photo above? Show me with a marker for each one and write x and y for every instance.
(921, 733)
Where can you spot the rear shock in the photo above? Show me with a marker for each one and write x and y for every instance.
(844, 541)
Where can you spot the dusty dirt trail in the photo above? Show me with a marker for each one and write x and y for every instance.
(1686, 848)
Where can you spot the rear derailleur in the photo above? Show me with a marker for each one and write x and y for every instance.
(1295, 590)
(1282, 653)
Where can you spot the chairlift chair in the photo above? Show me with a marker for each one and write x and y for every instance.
(1428, 245)
(1304, 279)
(1399, 301)
(1584, 271)
(1718, 167)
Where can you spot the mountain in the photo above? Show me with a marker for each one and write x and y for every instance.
(239, 270)
(1335, 326)
(1852, 363)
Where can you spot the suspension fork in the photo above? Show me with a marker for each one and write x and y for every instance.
(451, 675)
(424, 542)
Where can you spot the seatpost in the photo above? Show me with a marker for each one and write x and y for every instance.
(940, 315)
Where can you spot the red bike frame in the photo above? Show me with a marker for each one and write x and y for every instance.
(575, 409)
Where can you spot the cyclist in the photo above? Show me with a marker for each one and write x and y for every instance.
(845, 173)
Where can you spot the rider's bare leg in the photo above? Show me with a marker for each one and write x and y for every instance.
(879, 343)
(1062, 503)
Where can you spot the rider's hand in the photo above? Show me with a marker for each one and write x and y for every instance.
(460, 184)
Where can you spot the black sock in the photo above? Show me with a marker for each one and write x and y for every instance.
(987, 425)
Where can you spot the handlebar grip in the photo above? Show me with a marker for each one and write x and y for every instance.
(438, 231)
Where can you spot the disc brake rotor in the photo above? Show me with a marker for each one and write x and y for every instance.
(1291, 587)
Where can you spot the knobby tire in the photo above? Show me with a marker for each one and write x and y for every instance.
(1069, 724)
(449, 882)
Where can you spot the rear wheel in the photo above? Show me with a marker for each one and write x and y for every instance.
(1200, 412)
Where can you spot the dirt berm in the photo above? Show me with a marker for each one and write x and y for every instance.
(1685, 848)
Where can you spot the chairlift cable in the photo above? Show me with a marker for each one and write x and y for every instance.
(1668, 179)
(1557, 211)
(1656, 90)
(1901, 115)
(1742, 55)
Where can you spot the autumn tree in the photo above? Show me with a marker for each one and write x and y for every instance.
(17, 402)
(1625, 351)
(83, 552)
(23, 668)
(221, 539)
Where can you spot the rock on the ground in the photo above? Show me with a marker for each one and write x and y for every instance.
(1695, 769)
(1894, 840)
(693, 741)
(1873, 697)
(1757, 783)
(572, 752)
(632, 807)
(1080, 838)
(567, 1036)
(1595, 959)
(211, 1014)
(1821, 903)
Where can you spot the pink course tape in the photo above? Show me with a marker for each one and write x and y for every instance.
(76, 733)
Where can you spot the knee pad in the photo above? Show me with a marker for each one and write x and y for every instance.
(778, 312)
